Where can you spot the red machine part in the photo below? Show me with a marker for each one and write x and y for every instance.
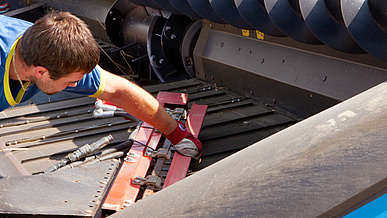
(180, 163)
(136, 165)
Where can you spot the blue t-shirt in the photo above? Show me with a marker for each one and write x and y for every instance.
(11, 29)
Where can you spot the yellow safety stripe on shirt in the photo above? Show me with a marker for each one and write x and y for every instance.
(101, 87)
(7, 89)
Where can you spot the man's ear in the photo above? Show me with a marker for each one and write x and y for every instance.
(41, 72)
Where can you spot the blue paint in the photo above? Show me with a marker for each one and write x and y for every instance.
(376, 208)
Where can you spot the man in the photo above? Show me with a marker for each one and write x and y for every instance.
(58, 53)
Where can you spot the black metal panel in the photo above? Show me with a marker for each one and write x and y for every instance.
(297, 81)
(29, 13)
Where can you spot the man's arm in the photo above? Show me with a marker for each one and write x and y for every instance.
(137, 102)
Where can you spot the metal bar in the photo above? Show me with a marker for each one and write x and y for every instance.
(180, 163)
(123, 193)
(12, 160)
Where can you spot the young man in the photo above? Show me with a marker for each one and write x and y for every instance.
(58, 53)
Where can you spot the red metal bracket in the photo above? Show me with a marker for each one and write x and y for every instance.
(123, 192)
(180, 163)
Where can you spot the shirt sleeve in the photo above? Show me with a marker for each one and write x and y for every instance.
(92, 84)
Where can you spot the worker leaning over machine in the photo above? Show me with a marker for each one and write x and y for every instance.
(58, 53)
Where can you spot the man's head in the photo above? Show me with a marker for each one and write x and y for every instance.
(61, 43)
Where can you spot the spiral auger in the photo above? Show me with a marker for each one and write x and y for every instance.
(351, 26)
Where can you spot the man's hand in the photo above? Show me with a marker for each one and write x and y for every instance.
(185, 143)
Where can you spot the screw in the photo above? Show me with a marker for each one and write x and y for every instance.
(173, 36)
(161, 61)
(167, 28)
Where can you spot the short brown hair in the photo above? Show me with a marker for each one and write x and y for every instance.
(60, 42)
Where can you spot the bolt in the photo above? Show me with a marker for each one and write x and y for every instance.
(167, 28)
(129, 159)
(161, 61)
(153, 57)
(173, 36)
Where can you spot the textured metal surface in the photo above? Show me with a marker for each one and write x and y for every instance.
(328, 165)
(65, 134)
(74, 192)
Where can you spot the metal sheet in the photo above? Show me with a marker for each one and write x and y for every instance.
(73, 192)
(287, 77)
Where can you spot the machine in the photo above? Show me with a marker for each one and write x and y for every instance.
(296, 118)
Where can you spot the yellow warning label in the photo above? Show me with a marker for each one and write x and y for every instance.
(245, 32)
(260, 35)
